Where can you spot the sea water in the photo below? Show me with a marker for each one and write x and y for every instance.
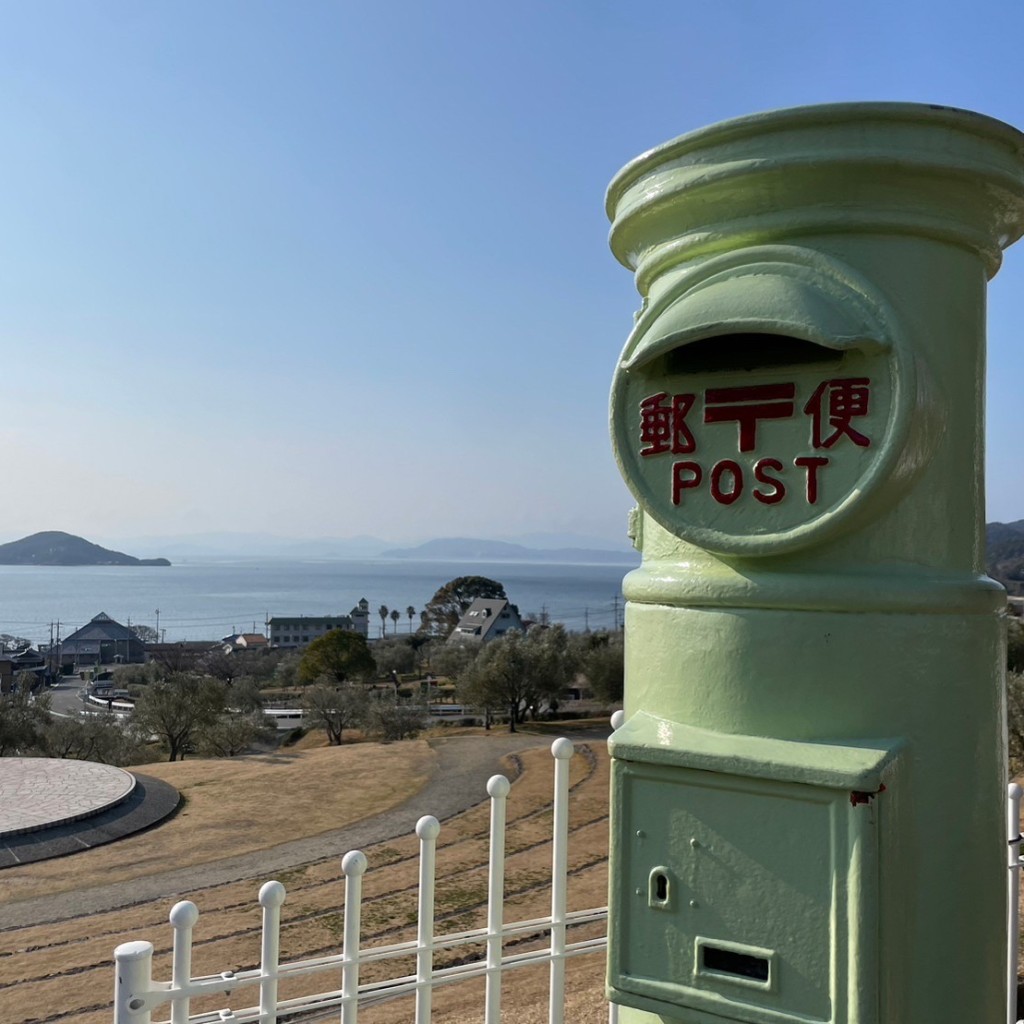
(207, 598)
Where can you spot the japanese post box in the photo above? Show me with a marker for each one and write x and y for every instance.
(807, 788)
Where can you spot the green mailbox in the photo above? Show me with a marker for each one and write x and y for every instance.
(808, 783)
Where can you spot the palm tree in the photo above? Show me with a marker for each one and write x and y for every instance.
(395, 616)
(410, 611)
(382, 611)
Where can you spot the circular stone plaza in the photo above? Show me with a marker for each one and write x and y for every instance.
(50, 807)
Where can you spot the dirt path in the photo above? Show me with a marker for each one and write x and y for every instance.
(464, 765)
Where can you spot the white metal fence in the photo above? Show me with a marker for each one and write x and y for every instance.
(1014, 863)
(137, 995)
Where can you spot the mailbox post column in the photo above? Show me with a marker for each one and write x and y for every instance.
(807, 804)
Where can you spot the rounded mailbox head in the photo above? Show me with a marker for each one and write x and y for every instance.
(761, 401)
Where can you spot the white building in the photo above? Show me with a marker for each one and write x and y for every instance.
(485, 620)
(299, 630)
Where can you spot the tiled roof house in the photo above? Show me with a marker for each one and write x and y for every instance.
(102, 642)
(485, 620)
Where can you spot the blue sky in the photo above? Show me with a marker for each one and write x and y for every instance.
(325, 269)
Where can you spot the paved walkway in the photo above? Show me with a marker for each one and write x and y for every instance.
(39, 792)
(464, 765)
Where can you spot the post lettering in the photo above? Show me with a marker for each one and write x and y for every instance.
(681, 481)
(726, 497)
(778, 491)
(812, 463)
(747, 405)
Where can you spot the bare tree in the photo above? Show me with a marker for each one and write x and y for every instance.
(222, 665)
(178, 657)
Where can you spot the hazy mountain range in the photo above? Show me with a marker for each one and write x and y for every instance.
(1004, 554)
(565, 547)
(470, 549)
(1004, 550)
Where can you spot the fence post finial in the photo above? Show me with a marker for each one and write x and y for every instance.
(132, 982)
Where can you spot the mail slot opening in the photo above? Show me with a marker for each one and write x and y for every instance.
(732, 352)
(660, 887)
(729, 961)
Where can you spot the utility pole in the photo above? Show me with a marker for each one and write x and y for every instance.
(158, 623)
(616, 612)
(586, 620)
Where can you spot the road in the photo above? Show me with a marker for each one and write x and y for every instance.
(66, 697)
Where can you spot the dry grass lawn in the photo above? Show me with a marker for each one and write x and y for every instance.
(64, 973)
(240, 805)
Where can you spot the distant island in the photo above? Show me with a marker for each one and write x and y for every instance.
(53, 547)
(457, 549)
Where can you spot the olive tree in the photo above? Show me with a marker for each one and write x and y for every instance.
(23, 721)
(601, 660)
(520, 672)
(177, 709)
(391, 719)
(93, 737)
(232, 733)
(338, 655)
(394, 655)
(335, 708)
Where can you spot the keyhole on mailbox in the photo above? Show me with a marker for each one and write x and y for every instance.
(658, 890)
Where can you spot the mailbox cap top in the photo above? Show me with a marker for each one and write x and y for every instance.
(820, 114)
(904, 168)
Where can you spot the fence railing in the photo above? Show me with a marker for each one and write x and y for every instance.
(137, 996)
(1014, 863)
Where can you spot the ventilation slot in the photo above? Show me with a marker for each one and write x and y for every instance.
(739, 965)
